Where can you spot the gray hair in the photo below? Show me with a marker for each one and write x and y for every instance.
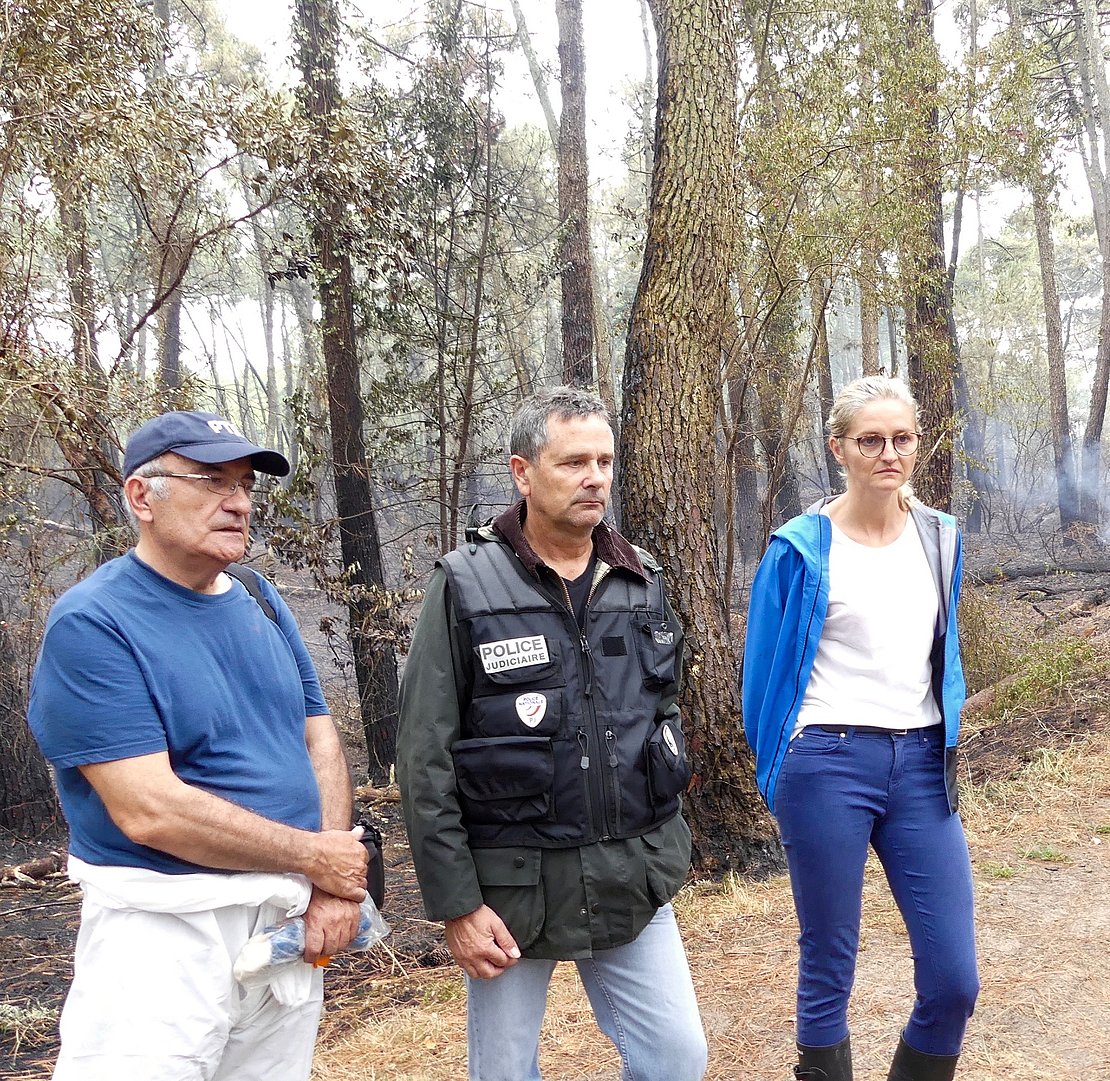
(861, 392)
(158, 486)
(528, 435)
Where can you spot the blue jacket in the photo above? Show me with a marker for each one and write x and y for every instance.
(786, 613)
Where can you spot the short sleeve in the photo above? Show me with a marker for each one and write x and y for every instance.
(89, 699)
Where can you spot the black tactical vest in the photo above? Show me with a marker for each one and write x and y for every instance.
(561, 743)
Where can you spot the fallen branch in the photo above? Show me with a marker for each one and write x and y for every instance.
(33, 872)
(995, 573)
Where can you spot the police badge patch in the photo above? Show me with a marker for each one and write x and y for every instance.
(531, 708)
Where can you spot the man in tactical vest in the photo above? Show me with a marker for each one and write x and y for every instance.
(541, 762)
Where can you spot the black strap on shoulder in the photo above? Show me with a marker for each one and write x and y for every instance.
(249, 578)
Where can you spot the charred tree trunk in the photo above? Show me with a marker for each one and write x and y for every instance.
(368, 606)
(669, 450)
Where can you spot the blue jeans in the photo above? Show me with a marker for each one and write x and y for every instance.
(642, 997)
(838, 793)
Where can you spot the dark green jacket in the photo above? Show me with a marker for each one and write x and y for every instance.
(562, 902)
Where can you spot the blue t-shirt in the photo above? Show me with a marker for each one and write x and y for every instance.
(133, 664)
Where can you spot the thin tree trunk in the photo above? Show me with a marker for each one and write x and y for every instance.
(102, 493)
(818, 300)
(1096, 92)
(574, 258)
(368, 607)
(1062, 451)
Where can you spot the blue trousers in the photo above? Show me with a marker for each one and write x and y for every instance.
(641, 994)
(838, 793)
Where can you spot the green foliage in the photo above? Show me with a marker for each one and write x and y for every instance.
(990, 651)
(1045, 853)
(1057, 674)
(991, 869)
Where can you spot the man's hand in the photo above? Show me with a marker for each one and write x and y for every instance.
(339, 863)
(330, 923)
(481, 944)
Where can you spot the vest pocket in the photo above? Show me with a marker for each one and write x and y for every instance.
(666, 854)
(510, 881)
(533, 713)
(667, 768)
(657, 648)
(505, 779)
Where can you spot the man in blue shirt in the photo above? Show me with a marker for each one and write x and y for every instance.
(205, 786)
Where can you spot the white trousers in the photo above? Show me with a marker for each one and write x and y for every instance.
(154, 999)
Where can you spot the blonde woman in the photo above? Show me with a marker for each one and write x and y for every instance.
(852, 695)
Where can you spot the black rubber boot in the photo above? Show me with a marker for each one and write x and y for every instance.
(825, 1063)
(911, 1065)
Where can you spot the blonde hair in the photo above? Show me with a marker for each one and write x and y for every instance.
(862, 392)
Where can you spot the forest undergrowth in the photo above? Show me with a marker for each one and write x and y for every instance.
(1035, 790)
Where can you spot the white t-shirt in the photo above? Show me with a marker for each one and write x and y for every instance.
(872, 665)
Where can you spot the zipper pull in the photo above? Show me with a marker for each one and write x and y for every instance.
(611, 746)
(586, 652)
(583, 742)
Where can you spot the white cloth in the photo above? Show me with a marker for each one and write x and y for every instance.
(154, 997)
(152, 891)
(873, 663)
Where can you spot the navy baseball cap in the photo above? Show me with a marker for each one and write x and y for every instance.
(204, 437)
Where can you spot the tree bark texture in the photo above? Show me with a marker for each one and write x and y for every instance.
(574, 261)
(375, 661)
(669, 440)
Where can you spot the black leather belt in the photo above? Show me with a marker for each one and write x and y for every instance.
(870, 729)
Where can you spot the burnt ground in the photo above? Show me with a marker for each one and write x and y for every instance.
(39, 910)
(38, 927)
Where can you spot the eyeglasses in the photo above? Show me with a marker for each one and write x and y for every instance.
(216, 485)
(871, 446)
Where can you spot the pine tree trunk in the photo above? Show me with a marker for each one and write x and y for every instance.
(669, 449)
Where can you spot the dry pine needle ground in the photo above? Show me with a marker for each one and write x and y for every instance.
(1040, 844)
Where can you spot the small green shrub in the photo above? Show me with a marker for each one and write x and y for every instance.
(1046, 854)
(989, 650)
(990, 869)
(1049, 673)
